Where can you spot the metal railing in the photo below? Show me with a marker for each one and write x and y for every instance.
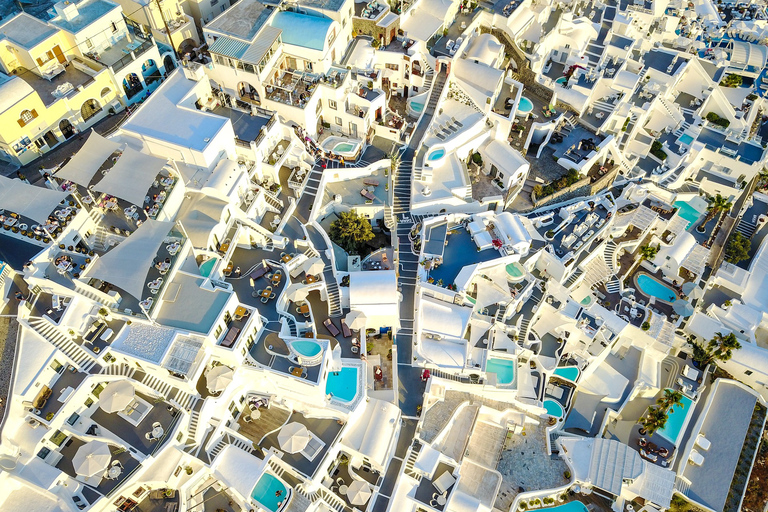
(123, 62)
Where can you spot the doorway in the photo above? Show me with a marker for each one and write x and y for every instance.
(67, 130)
(50, 139)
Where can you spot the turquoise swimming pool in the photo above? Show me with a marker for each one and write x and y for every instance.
(436, 155)
(515, 270)
(344, 147)
(561, 81)
(343, 384)
(650, 286)
(503, 368)
(688, 212)
(269, 492)
(685, 139)
(554, 408)
(677, 419)
(417, 106)
(306, 348)
(568, 372)
(207, 266)
(571, 506)
(525, 106)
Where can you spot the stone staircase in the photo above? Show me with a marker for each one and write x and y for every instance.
(609, 255)
(603, 106)
(613, 286)
(682, 128)
(194, 420)
(410, 461)
(746, 228)
(574, 277)
(103, 239)
(157, 384)
(185, 400)
(273, 202)
(500, 313)
(228, 439)
(525, 323)
(64, 343)
(402, 202)
(119, 369)
(334, 297)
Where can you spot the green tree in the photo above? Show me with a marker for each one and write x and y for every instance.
(670, 399)
(351, 232)
(719, 348)
(648, 252)
(718, 204)
(654, 419)
(737, 248)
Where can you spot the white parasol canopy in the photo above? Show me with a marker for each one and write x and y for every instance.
(355, 320)
(293, 437)
(92, 458)
(219, 377)
(297, 292)
(116, 396)
(359, 492)
(682, 307)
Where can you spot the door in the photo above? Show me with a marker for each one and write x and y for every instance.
(50, 139)
(66, 128)
(391, 35)
(378, 114)
(59, 54)
(353, 130)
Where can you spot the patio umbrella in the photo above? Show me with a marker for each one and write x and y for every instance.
(355, 320)
(92, 458)
(219, 377)
(297, 292)
(682, 307)
(116, 396)
(692, 290)
(293, 437)
(316, 267)
(359, 492)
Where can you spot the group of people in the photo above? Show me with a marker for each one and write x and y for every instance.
(316, 151)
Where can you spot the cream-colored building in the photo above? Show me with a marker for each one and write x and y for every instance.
(156, 15)
(59, 78)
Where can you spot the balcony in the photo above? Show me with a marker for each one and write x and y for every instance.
(357, 111)
(124, 52)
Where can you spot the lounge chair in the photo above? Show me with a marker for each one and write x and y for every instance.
(331, 327)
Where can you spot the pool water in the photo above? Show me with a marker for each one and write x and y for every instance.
(525, 106)
(654, 288)
(436, 155)
(416, 106)
(343, 384)
(553, 408)
(676, 420)
(571, 506)
(207, 267)
(306, 348)
(686, 139)
(568, 372)
(586, 300)
(265, 489)
(515, 270)
(562, 81)
(503, 368)
(343, 147)
(687, 212)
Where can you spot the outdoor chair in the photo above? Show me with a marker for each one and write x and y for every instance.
(264, 300)
(272, 296)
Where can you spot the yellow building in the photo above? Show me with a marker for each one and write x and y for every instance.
(159, 14)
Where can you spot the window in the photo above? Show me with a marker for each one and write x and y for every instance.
(332, 104)
(217, 333)
(415, 89)
(338, 121)
(57, 366)
(393, 67)
(73, 419)
(40, 143)
(88, 44)
(43, 453)
(114, 27)
(748, 372)
(58, 438)
(26, 117)
(214, 2)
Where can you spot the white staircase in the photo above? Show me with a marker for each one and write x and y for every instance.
(609, 254)
(746, 228)
(194, 420)
(613, 286)
(185, 400)
(64, 343)
(334, 298)
(159, 385)
(119, 369)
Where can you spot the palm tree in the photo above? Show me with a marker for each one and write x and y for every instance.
(718, 204)
(655, 418)
(648, 252)
(670, 400)
(722, 347)
(763, 178)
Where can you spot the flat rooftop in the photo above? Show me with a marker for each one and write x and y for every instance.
(246, 126)
(46, 88)
(185, 305)
(244, 19)
(26, 31)
(191, 128)
(88, 12)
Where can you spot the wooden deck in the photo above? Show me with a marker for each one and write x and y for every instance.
(271, 419)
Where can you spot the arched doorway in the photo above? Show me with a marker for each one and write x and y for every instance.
(89, 109)
(187, 46)
(66, 128)
(150, 72)
(247, 92)
(132, 85)
(168, 64)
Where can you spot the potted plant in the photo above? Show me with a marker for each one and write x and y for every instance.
(188, 469)
(105, 314)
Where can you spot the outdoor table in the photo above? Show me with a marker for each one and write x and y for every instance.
(157, 432)
(441, 500)
(228, 270)
(296, 372)
(309, 334)
(304, 309)
(343, 489)
(266, 293)
(224, 247)
(311, 279)
(114, 472)
(287, 258)
(240, 311)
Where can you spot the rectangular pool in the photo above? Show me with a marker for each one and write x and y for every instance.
(269, 492)
(503, 368)
(685, 139)
(342, 385)
(687, 212)
(677, 419)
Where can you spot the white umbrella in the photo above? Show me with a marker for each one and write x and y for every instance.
(116, 396)
(219, 378)
(359, 492)
(297, 292)
(92, 458)
(293, 437)
(316, 267)
(355, 320)
(682, 307)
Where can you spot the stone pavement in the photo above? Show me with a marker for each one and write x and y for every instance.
(64, 150)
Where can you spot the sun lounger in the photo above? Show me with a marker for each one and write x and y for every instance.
(345, 329)
(366, 194)
(696, 458)
(331, 327)
(231, 336)
(372, 182)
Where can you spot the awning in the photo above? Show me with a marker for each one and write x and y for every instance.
(584, 411)
(126, 266)
(199, 215)
(260, 46)
(30, 201)
(132, 176)
(229, 47)
(85, 163)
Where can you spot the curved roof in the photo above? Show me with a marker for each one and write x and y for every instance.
(372, 433)
(485, 48)
(13, 90)
(746, 54)
(198, 216)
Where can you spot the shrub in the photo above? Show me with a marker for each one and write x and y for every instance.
(476, 158)
(716, 119)
(737, 248)
(567, 474)
(657, 151)
(731, 80)
(626, 123)
(645, 326)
